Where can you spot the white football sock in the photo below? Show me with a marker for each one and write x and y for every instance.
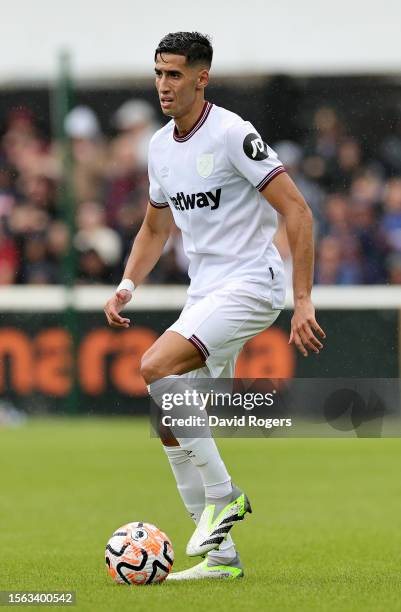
(205, 456)
(189, 482)
(191, 489)
(203, 451)
(225, 552)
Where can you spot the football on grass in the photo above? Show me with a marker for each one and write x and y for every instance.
(139, 553)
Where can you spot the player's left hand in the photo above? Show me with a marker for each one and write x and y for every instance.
(304, 328)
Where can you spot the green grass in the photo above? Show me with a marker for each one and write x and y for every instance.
(325, 533)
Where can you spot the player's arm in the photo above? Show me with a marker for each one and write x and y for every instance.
(284, 196)
(145, 253)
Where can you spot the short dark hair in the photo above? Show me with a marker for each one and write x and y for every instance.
(196, 47)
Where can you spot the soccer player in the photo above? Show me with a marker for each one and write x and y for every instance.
(212, 175)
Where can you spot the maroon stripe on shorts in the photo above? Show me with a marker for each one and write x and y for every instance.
(200, 346)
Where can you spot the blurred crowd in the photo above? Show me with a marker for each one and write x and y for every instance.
(355, 198)
(110, 195)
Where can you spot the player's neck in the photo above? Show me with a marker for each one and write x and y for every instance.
(185, 123)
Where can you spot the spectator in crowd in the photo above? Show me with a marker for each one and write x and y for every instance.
(135, 123)
(372, 242)
(9, 258)
(291, 155)
(88, 153)
(92, 270)
(394, 268)
(57, 240)
(336, 216)
(96, 241)
(321, 148)
(390, 149)
(37, 268)
(366, 188)
(22, 145)
(129, 219)
(338, 262)
(7, 192)
(391, 220)
(346, 164)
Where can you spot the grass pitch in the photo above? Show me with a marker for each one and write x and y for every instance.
(325, 533)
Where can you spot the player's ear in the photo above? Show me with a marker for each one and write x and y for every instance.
(203, 78)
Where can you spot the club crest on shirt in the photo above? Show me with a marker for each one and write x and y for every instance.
(164, 172)
(205, 164)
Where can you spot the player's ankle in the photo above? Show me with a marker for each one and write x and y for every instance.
(218, 492)
(217, 558)
(232, 559)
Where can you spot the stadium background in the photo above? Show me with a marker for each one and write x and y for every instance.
(323, 87)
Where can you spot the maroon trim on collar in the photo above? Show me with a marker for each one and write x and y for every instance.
(198, 124)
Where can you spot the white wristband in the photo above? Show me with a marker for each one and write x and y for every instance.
(126, 284)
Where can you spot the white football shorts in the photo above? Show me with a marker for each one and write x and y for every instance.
(219, 324)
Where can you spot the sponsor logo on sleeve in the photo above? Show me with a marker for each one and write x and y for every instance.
(255, 148)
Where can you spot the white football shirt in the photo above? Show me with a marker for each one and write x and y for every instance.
(211, 178)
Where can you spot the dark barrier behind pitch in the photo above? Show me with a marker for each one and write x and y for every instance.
(36, 356)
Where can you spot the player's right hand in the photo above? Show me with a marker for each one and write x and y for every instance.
(113, 307)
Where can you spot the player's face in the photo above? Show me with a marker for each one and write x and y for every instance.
(178, 84)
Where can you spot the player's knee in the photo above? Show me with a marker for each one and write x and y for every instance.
(151, 369)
